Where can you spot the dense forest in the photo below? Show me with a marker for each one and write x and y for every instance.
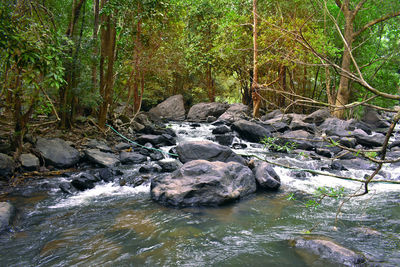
(61, 60)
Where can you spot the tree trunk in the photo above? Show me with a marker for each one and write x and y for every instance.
(282, 79)
(210, 84)
(107, 57)
(96, 10)
(138, 54)
(254, 87)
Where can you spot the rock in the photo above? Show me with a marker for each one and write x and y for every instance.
(57, 152)
(156, 155)
(224, 139)
(150, 168)
(67, 188)
(137, 127)
(104, 159)
(279, 126)
(234, 113)
(106, 174)
(100, 145)
(223, 129)
(84, 181)
(131, 158)
(207, 150)
(6, 213)
(271, 115)
(294, 136)
(318, 117)
(7, 166)
(354, 125)
(211, 119)
(368, 140)
(266, 176)
(29, 162)
(357, 163)
(297, 123)
(250, 131)
(156, 140)
(204, 183)
(122, 146)
(171, 109)
(329, 250)
(373, 118)
(325, 152)
(169, 165)
(335, 127)
(201, 111)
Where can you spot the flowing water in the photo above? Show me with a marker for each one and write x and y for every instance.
(113, 225)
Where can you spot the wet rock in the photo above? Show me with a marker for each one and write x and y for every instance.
(357, 163)
(57, 152)
(131, 158)
(266, 176)
(224, 139)
(207, 150)
(106, 174)
(325, 152)
(100, 145)
(211, 119)
(6, 213)
(250, 131)
(157, 140)
(204, 183)
(223, 129)
(150, 168)
(172, 109)
(169, 165)
(366, 140)
(67, 188)
(156, 155)
(335, 127)
(7, 166)
(29, 162)
(201, 111)
(318, 117)
(301, 139)
(279, 126)
(234, 113)
(329, 250)
(84, 181)
(297, 123)
(104, 159)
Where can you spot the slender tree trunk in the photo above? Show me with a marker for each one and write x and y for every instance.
(96, 11)
(282, 79)
(107, 57)
(210, 84)
(255, 88)
(138, 70)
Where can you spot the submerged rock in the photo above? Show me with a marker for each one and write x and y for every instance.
(207, 150)
(6, 212)
(57, 152)
(204, 183)
(329, 250)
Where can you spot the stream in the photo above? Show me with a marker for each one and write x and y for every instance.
(113, 225)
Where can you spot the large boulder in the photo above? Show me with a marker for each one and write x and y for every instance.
(172, 109)
(7, 166)
(301, 138)
(234, 113)
(131, 158)
(318, 117)
(207, 150)
(102, 158)
(57, 152)
(329, 250)
(266, 176)
(84, 181)
(373, 118)
(201, 111)
(366, 140)
(250, 131)
(204, 183)
(335, 126)
(29, 162)
(156, 140)
(6, 212)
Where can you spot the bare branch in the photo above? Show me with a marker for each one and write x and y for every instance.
(376, 21)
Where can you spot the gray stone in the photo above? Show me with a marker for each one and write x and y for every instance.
(301, 138)
(224, 139)
(221, 130)
(335, 127)
(131, 158)
(266, 176)
(201, 111)
(329, 250)
(207, 150)
(57, 152)
(172, 109)
(318, 117)
(250, 131)
(373, 118)
(156, 140)
(7, 166)
(29, 162)
(100, 145)
(234, 113)
(366, 140)
(271, 115)
(6, 212)
(204, 183)
(102, 158)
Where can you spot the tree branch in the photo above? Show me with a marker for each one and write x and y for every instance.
(376, 21)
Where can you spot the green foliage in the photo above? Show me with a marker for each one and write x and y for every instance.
(272, 143)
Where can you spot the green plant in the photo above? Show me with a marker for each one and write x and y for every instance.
(271, 143)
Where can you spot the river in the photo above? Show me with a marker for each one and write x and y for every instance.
(113, 225)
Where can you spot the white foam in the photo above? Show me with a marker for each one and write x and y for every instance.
(101, 191)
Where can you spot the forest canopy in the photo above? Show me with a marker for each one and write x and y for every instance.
(65, 59)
